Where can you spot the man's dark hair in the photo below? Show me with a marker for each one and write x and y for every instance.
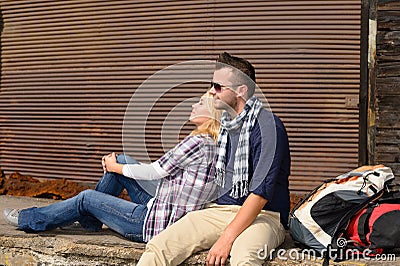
(239, 67)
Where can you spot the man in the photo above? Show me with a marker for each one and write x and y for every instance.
(253, 166)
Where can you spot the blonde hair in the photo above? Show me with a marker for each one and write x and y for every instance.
(212, 125)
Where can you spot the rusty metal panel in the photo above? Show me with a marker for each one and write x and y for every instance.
(307, 57)
(69, 69)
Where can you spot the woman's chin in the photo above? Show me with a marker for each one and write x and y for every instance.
(196, 122)
(193, 122)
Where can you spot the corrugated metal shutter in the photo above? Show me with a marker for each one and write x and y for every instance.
(69, 69)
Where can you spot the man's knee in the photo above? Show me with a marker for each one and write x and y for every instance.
(159, 253)
(254, 245)
(247, 260)
(152, 256)
(245, 255)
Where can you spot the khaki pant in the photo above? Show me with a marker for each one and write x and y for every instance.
(199, 230)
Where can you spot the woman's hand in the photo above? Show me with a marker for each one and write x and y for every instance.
(103, 163)
(109, 163)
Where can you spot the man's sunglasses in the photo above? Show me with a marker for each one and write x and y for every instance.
(218, 87)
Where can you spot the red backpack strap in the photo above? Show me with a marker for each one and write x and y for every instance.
(363, 225)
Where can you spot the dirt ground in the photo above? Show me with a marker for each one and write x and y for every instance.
(22, 185)
(17, 184)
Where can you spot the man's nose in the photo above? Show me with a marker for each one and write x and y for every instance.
(212, 91)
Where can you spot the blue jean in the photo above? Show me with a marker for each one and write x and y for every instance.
(93, 208)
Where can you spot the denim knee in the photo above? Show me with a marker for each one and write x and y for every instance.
(88, 193)
(86, 219)
(126, 159)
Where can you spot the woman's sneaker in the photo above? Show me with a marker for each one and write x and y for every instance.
(74, 225)
(11, 216)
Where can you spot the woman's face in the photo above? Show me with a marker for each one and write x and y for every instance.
(200, 112)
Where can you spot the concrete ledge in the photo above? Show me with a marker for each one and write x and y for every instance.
(72, 246)
(75, 246)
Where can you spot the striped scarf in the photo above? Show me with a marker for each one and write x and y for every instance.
(246, 120)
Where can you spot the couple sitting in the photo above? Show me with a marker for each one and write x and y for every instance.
(243, 165)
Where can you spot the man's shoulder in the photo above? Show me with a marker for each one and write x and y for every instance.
(266, 118)
(268, 126)
(267, 115)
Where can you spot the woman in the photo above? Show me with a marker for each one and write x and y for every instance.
(186, 173)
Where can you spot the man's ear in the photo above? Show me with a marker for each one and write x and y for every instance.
(242, 92)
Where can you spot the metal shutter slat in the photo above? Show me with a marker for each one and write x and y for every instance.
(69, 69)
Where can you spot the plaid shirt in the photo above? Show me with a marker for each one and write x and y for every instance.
(188, 187)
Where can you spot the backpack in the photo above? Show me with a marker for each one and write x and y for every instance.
(375, 227)
(320, 219)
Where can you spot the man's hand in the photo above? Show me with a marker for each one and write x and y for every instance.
(251, 207)
(219, 252)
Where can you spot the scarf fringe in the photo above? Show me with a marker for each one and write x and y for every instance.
(240, 189)
(246, 119)
(220, 177)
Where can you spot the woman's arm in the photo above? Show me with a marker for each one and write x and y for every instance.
(137, 171)
(188, 151)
